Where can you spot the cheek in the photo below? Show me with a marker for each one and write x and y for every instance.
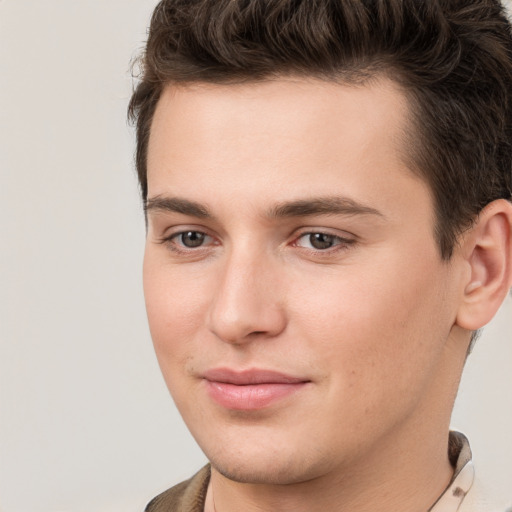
(381, 325)
(175, 304)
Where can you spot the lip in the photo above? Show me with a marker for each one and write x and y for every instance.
(250, 389)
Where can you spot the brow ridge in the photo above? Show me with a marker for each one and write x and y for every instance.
(177, 205)
(334, 205)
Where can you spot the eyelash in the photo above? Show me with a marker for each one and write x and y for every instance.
(339, 243)
(170, 241)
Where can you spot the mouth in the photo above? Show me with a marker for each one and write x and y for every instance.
(250, 389)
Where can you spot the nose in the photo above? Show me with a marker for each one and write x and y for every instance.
(248, 301)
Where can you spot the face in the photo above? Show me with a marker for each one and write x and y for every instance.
(299, 307)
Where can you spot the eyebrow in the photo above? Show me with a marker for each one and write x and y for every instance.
(322, 206)
(300, 208)
(177, 205)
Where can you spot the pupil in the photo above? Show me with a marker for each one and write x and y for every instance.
(192, 239)
(321, 240)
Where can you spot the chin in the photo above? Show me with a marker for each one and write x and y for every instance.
(250, 473)
(270, 467)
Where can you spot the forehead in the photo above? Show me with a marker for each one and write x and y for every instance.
(304, 104)
(278, 135)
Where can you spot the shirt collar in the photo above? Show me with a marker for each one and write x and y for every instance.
(463, 475)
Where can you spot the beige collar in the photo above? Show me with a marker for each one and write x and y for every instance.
(463, 476)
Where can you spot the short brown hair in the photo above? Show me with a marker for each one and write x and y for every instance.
(452, 57)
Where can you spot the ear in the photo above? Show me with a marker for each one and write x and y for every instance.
(487, 250)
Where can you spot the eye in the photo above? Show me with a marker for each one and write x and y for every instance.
(189, 244)
(190, 239)
(321, 241)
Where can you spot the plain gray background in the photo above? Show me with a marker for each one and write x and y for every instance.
(86, 424)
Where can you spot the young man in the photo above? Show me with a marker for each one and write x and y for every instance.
(327, 187)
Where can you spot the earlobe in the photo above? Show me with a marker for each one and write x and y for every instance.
(488, 252)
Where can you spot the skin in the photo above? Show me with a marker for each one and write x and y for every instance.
(370, 322)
